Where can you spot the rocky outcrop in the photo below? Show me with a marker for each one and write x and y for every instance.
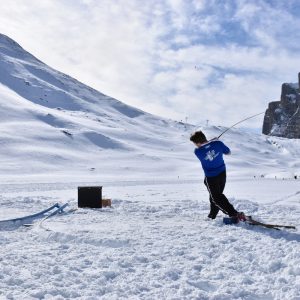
(282, 118)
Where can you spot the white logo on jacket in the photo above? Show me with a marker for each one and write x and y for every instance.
(211, 155)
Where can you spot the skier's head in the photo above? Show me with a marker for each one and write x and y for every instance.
(198, 137)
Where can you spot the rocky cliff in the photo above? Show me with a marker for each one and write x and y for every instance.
(282, 118)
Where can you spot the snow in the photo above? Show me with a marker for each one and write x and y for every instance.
(155, 242)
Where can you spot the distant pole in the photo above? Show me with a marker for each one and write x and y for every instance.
(207, 122)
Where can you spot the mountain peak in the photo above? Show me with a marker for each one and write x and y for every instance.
(282, 117)
(11, 48)
(8, 43)
(35, 81)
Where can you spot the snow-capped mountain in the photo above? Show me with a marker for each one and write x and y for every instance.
(52, 123)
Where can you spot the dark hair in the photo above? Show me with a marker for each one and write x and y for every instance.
(198, 137)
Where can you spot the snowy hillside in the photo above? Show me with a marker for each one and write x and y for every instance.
(53, 124)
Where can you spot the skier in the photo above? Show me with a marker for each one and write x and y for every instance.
(210, 154)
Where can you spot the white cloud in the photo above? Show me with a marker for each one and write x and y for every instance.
(145, 52)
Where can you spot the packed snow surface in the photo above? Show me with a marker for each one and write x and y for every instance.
(155, 242)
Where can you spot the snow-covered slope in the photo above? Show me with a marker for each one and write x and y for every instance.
(53, 124)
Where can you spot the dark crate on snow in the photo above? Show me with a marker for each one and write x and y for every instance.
(90, 196)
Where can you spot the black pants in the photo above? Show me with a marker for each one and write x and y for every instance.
(218, 201)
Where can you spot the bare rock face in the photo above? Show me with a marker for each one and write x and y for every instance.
(282, 118)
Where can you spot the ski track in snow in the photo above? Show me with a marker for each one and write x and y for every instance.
(154, 243)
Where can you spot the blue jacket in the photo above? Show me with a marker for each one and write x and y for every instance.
(211, 157)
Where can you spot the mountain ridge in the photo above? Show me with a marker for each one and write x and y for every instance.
(38, 77)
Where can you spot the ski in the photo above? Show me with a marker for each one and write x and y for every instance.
(59, 209)
(21, 220)
(230, 220)
(251, 221)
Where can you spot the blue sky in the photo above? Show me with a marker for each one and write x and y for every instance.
(204, 60)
